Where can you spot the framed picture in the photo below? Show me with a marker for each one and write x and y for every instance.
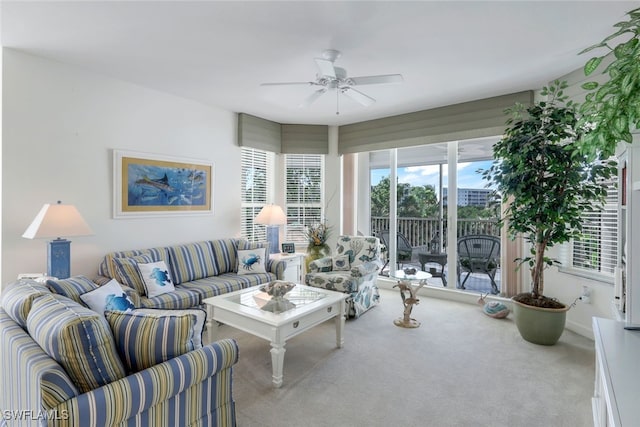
(157, 185)
(288, 248)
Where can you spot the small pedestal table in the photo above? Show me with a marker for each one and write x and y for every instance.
(409, 284)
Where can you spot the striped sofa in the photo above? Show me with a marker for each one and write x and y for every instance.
(199, 270)
(38, 388)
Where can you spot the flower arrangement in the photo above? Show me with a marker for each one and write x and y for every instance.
(317, 234)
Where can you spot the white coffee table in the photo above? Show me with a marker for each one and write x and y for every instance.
(241, 309)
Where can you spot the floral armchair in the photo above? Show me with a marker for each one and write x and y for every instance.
(352, 269)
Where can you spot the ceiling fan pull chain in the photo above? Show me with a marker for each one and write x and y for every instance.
(337, 102)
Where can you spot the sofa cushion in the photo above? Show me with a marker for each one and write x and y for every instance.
(18, 297)
(127, 272)
(156, 278)
(107, 297)
(224, 252)
(192, 262)
(78, 339)
(72, 287)
(180, 298)
(224, 283)
(146, 337)
(251, 261)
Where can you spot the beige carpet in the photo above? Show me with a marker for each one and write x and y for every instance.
(459, 368)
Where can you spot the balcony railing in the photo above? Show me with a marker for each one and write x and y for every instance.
(423, 231)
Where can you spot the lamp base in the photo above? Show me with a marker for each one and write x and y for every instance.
(273, 237)
(59, 258)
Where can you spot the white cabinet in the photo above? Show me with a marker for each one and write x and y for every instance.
(295, 264)
(617, 381)
(627, 284)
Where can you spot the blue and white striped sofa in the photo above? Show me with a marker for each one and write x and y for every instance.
(192, 389)
(199, 270)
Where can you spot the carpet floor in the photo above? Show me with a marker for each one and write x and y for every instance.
(459, 368)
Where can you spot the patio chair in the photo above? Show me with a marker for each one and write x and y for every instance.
(404, 250)
(479, 254)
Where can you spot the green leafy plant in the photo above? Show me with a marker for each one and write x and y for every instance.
(612, 108)
(545, 180)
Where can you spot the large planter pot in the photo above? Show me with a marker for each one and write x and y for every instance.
(539, 325)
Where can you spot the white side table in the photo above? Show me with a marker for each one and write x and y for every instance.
(295, 264)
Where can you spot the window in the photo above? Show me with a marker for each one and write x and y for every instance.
(596, 251)
(257, 184)
(304, 176)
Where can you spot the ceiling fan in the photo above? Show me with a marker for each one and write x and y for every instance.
(330, 77)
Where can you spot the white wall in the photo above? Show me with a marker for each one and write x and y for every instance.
(60, 126)
(567, 287)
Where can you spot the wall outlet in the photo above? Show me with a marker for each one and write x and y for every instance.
(586, 295)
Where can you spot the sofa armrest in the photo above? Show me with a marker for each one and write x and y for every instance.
(277, 267)
(362, 270)
(145, 394)
(317, 265)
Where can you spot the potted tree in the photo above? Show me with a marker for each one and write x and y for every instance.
(546, 184)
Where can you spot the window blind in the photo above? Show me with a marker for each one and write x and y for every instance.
(304, 194)
(257, 177)
(597, 250)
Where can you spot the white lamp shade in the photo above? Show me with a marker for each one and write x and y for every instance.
(271, 215)
(57, 221)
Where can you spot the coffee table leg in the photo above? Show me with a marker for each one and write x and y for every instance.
(340, 324)
(277, 363)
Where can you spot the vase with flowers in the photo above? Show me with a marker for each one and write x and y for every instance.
(317, 235)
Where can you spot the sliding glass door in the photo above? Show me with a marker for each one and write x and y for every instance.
(428, 178)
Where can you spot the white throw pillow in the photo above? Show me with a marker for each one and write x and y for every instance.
(156, 277)
(109, 296)
(251, 261)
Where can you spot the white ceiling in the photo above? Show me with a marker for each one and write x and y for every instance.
(218, 53)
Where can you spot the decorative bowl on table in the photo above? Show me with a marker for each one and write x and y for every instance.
(410, 271)
(277, 290)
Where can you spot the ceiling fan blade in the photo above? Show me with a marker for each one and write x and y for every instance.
(325, 67)
(374, 80)
(289, 84)
(358, 96)
(312, 98)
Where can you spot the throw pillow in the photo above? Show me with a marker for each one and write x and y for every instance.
(251, 261)
(156, 278)
(245, 244)
(146, 337)
(79, 339)
(108, 297)
(127, 271)
(324, 265)
(341, 263)
(72, 287)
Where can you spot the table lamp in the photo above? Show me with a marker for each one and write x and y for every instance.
(272, 216)
(56, 221)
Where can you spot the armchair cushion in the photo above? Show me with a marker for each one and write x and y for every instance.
(146, 337)
(78, 339)
(341, 263)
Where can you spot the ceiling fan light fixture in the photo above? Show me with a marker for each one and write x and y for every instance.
(331, 77)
